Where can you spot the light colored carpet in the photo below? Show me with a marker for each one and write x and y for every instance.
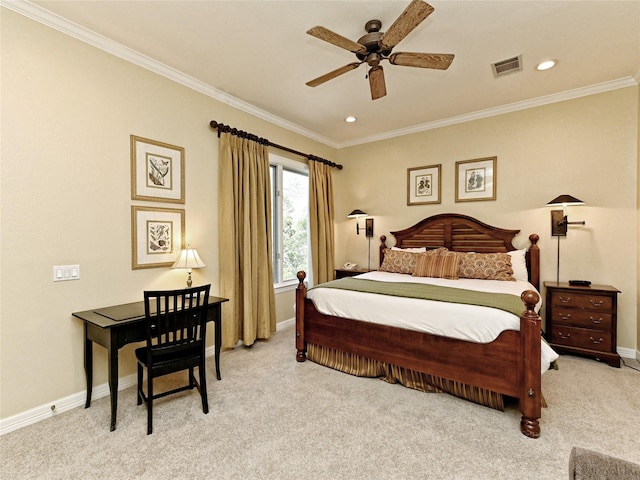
(273, 418)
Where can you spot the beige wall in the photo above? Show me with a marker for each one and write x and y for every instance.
(587, 147)
(68, 110)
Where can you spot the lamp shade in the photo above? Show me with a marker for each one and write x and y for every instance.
(356, 213)
(565, 199)
(189, 258)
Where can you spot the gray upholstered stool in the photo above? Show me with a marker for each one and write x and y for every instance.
(588, 465)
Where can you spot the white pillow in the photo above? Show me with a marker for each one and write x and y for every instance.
(413, 250)
(519, 265)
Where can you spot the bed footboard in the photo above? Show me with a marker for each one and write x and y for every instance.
(513, 368)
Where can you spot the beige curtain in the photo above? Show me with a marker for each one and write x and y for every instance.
(246, 270)
(321, 216)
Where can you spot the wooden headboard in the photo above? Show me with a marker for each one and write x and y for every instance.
(461, 233)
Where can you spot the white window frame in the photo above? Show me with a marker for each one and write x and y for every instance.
(281, 164)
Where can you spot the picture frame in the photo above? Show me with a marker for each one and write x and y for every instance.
(424, 185)
(157, 171)
(476, 179)
(157, 236)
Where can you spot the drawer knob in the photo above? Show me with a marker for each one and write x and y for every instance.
(564, 317)
(564, 299)
(596, 304)
(596, 321)
(562, 335)
(596, 342)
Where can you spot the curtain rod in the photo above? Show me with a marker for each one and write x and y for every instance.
(221, 127)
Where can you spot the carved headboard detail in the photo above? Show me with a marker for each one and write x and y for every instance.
(462, 233)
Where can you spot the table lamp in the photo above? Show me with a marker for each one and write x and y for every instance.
(189, 259)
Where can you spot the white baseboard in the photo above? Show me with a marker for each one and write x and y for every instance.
(43, 412)
(65, 404)
(628, 353)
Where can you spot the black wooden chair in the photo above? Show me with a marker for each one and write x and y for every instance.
(176, 336)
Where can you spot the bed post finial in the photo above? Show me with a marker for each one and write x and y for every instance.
(383, 247)
(533, 255)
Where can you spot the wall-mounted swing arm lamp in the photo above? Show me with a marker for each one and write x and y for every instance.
(368, 230)
(357, 214)
(560, 222)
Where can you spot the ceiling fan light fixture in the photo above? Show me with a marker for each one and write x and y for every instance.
(350, 119)
(546, 65)
(376, 46)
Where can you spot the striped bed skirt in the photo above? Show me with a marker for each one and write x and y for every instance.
(365, 367)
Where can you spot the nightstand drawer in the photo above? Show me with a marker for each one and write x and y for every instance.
(581, 338)
(582, 300)
(582, 318)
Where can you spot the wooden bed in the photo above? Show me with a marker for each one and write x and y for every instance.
(510, 365)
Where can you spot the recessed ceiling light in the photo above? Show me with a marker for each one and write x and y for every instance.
(546, 65)
(350, 119)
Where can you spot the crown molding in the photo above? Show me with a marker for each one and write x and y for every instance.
(491, 112)
(39, 14)
(83, 34)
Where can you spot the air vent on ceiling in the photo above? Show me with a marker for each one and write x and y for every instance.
(505, 67)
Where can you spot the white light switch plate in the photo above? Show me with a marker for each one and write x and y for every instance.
(62, 273)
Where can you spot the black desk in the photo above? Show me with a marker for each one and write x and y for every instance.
(115, 334)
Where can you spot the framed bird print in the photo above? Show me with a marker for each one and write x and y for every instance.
(157, 171)
(157, 236)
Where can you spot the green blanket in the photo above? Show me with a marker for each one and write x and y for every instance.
(502, 301)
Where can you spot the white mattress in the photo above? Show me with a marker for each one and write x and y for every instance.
(465, 322)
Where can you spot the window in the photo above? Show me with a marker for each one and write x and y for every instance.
(290, 211)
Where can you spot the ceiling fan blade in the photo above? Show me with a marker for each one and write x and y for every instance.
(335, 73)
(376, 83)
(412, 16)
(440, 61)
(337, 40)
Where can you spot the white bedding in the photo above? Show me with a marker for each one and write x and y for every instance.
(465, 322)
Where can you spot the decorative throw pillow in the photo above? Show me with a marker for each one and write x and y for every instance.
(486, 266)
(439, 251)
(396, 261)
(438, 266)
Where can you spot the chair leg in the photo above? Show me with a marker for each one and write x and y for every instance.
(192, 378)
(149, 402)
(139, 384)
(203, 387)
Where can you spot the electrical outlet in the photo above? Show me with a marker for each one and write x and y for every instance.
(62, 273)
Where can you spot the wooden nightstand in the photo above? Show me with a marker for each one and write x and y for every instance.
(341, 272)
(583, 320)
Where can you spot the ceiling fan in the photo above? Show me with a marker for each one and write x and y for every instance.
(375, 46)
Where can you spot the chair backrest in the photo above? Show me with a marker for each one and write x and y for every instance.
(176, 318)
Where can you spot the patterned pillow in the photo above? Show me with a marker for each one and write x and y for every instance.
(396, 261)
(486, 266)
(438, 266)
(439, 251)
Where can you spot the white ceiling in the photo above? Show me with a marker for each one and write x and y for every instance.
(257, 56)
